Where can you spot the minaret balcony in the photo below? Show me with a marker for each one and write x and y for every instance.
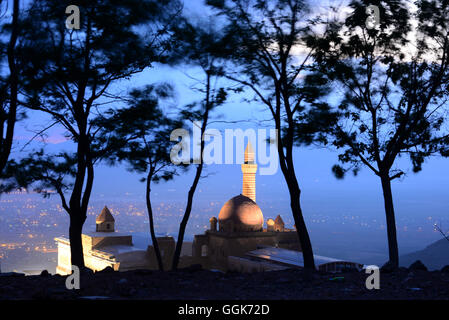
(249, 168)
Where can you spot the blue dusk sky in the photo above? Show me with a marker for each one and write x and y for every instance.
(423, 197)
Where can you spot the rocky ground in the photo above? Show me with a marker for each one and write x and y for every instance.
(194, 283)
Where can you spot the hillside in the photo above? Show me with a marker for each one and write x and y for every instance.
(193, 283)
(434, 256)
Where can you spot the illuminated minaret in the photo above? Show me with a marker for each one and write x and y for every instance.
(249, 169)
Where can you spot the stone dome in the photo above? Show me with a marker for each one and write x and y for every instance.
(105, 216)
(240, 214)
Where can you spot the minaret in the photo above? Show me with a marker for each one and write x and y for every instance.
(249, 169)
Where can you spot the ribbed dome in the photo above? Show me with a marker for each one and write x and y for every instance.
(240, 214)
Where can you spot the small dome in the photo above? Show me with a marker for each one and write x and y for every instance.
(105, 216)
(240, 214)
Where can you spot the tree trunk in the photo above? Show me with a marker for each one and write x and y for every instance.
(79, 202)
(303, 234)
(76, 246)
(5, 147)
(185, 219)
(288, 170)
(150, 216)
(199, 169)
(391, 223)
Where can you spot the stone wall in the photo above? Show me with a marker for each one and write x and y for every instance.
(97, 241)
(221, 245)
(64, 266)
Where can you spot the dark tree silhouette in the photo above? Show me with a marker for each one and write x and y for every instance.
(9, 88)
(72, 73)
(394, 91)
(146, 129)
(204, 47)
(271, 58)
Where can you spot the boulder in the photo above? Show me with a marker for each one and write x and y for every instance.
(45, 273)
(387, 268)
(12, 274)
(417, 265)
(106, 270)
(192, 268)
(445, 269)
(143, 272)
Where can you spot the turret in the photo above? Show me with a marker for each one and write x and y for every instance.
(213, 224)
(105, 221)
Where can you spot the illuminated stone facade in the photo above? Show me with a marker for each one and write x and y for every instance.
(107, 248)
(240, 228)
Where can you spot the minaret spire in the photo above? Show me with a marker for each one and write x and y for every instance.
(249, 169)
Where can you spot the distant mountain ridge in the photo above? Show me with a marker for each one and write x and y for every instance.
(435, 256)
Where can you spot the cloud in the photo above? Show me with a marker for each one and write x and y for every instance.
(52, 139)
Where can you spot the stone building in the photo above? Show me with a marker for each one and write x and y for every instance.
(241, 226)
(107, 248)
(237, 240)
(105, 222)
